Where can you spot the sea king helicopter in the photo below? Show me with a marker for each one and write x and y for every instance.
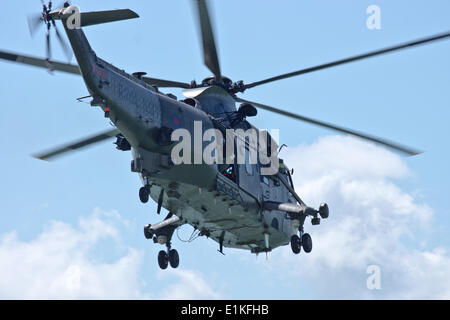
(231, 203)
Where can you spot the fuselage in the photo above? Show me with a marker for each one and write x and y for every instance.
(225, 209)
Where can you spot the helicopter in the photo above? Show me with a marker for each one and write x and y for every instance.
(235, 203)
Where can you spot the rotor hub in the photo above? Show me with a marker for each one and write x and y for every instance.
(225, 83)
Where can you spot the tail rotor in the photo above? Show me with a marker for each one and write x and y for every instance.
(46, 17)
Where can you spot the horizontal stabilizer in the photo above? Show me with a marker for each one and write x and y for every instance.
(99, 17)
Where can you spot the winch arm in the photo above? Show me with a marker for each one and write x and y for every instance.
(290, 189)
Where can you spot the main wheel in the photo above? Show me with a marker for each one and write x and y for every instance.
(143, 194)
(174, 258)
(307, 243)
(324, 211)
(147, 233)
(295, 244)
(163, 259)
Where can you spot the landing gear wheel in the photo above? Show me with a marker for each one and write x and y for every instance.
(147, 232)
(143, 194)
(163, 259)
(174, 258)
(295, 244)
(307, 243)
(324, 211)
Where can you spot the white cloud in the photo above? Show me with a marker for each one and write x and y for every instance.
(89, 261)
(346, 157)
(61, 263)
(189, 285)
(372, 222)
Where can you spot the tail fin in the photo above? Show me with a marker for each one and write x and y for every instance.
(73, 20)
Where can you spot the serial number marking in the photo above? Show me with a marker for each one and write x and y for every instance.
(247, 309)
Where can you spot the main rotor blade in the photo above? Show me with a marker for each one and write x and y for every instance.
(210, 56)
(406, 150)
(48, 48)
(165, 83)
(352, 59)
(77, 145)
(66, 48)
(38, 62)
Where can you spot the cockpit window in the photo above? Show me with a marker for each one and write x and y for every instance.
(230, 172)
(191, 102)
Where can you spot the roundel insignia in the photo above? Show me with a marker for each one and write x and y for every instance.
(176, 121)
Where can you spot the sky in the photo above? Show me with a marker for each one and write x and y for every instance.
(73, 228)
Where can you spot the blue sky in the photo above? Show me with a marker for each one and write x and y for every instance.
(77, 222)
